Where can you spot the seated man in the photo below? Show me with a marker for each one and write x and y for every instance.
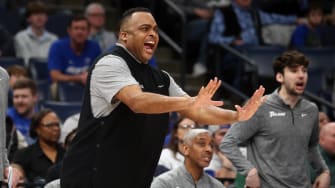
(15, 72)
(25, 99)
(95, 14)
(70, 58)
(327, 150)
(35, 40)
(198, 152)
(309, 35)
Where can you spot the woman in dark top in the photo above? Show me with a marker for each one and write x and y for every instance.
(35, 160)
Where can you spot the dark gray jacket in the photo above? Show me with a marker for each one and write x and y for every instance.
(181, 178)
(280, 143)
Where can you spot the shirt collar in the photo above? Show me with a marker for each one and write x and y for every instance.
(276, 95)
(31, 34)
(188, 174)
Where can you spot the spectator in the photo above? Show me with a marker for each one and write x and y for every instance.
(6, 43)
(70, 58)
(220, 164)
(35, 40)
(95, 14)
(25, 98)
(15, 72)
(198, 15)
(245, 25)
(308, 35)
(327, 149)
(283, 134)
(35, 160)
(171, 156)
(198, 151)
(239, 25)
(54, 171)
(328, 30)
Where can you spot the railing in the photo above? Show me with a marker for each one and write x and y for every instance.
(181, 50)
(171, 42)
(319, 100)
(246, 60)
(239, 55)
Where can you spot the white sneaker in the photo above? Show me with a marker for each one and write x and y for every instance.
(199, 69)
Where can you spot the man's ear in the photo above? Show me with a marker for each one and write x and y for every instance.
(186, 150)
(279, 77)
(123, 36)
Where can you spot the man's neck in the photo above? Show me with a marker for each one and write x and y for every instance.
(47, 146)
(28, 115)
(38, 31)
(195, 171)
(77, 48)
(289, 99)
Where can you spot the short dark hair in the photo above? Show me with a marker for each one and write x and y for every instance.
(35, 7)
(26, 83)
(290, 59)
(77, 18)
(126, 15)
(36, 121)
(315, 6)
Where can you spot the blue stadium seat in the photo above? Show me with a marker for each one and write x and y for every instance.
(57, 23)
(5, 62)
(263, 57)
(320, 57)
(70, 92)
(63, 109)
(43, 87)
(322, 63)
(316, 81)
(39, 69)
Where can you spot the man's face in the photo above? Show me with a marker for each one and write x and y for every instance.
(201, 151)
(140, 36)
(315, 17)
(327, 140)
(24, 101)
(78, 31)
(38, 20)
(293, 80)
(96, 17)
(243, 3)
